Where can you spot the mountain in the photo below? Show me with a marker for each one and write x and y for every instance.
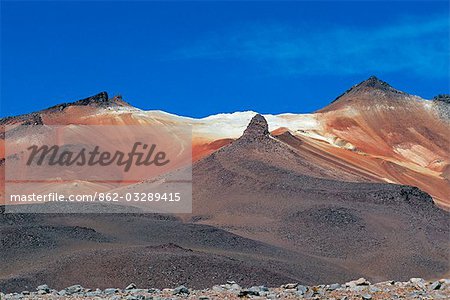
(256, 187)
(371, 133)
(406, 134)
(257, 219)
(357, 189)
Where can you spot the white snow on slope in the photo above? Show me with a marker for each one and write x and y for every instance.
(230, 125)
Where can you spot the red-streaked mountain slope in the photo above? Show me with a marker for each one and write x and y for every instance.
(372, 133)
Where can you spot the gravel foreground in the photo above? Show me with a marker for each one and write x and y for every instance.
(415, 288)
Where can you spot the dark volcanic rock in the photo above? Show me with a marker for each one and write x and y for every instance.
(445, 98)
(442, 105)
(374, 82)
(257, 127)
(369, 85)
(35, 119)
(99, 100)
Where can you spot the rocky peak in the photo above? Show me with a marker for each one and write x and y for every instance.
(373, 83)
(444, 98)
(370, 85)
(442, 105)
(99, 100)
(257, 127)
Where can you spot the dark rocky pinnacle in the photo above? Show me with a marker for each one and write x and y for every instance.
(444, 98)
(373, 80)
(374, 83)
(257, 127)
(369, 85)
(100, 98)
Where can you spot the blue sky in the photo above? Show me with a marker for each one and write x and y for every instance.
(202, 58)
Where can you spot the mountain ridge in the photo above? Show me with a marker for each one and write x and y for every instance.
(372, 82)
(266, 209)
(102, 99)
(368, 138)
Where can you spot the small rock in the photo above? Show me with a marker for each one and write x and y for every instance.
(131, 286)
(289, 286)
(259, 289)
(74, 289)
(366, 296)
(418, 282)
(180, 290)
(415, 280)
(218, 288)
(334, 286)
(361, 281)
(137, 291)
(358, 288)
(94, 293)
(43, 289)
(111, 291)
(245, 293)
(435, 285)
(231, 285)
(301, 289)
(319, 290)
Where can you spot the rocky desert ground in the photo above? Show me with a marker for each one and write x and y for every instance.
(415, 288)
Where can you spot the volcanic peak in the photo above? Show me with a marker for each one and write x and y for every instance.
(99, 100)
(371, 84)
(445, 98)
(257, 127)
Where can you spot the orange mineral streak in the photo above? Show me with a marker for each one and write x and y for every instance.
(202, 148)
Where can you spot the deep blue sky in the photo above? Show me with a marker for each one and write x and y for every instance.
(202, 58)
